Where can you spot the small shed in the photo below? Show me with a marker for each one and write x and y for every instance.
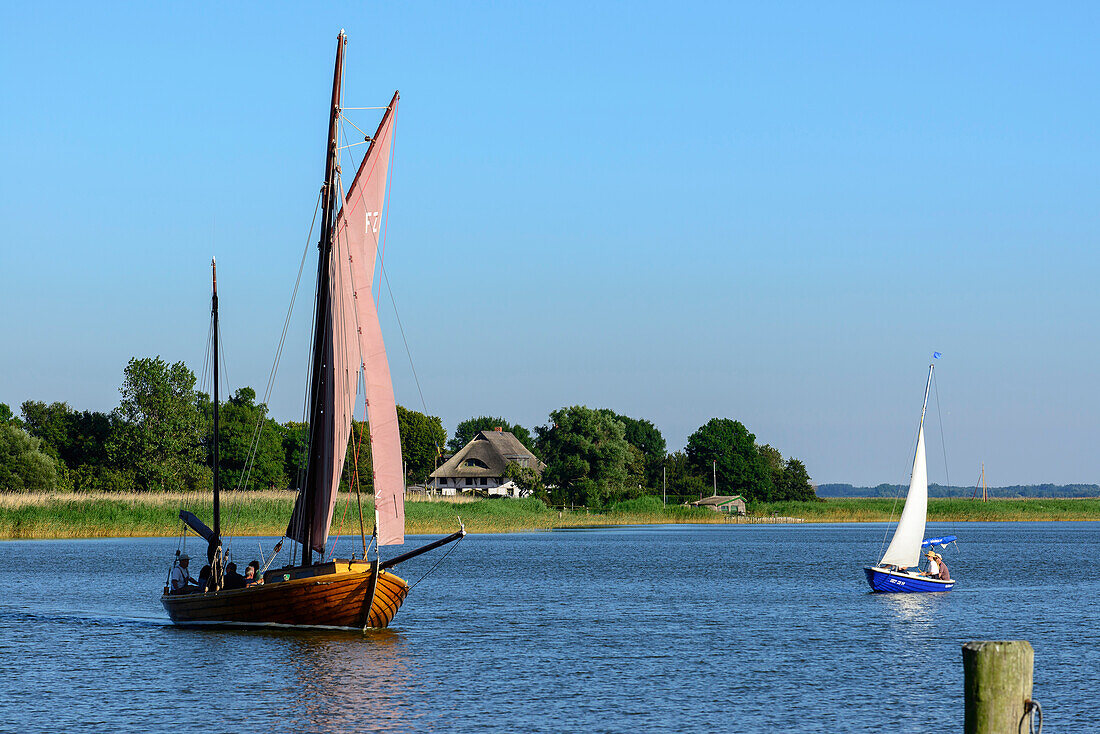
(734, 505)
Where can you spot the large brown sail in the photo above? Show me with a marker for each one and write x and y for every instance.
(353, 339)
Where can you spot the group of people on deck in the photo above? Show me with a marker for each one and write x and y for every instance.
(180, 581)
(937, 569)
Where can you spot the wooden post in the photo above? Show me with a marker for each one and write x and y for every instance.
(997, 682)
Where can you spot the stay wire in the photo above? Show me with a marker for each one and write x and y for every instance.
(943, 444)
(436, 564)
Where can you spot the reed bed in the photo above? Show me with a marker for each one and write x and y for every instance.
(137, 514)
(945, 509)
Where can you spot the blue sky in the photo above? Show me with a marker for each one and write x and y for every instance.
(771, 212)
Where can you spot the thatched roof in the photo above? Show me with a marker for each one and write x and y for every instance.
(487, 455)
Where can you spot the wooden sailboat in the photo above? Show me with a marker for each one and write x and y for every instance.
(347, 337)
(892, 573)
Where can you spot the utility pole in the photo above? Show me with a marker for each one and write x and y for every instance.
(664, 485)
(714, 468)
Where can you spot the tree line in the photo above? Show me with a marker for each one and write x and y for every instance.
(160, 438)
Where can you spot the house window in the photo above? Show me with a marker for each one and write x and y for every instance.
(469, 481)
(484, 481)
(475, 464)
(441, 481)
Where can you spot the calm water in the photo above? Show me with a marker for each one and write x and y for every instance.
(736, 628)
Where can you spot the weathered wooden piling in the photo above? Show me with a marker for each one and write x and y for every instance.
(997, 679)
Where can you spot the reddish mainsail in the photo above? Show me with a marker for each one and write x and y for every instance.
(354, 340)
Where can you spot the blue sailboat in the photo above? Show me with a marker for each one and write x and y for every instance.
(892, 574)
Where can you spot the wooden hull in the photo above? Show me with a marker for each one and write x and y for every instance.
(340, 594)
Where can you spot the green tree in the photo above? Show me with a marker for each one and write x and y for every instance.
(358, 444)
(7, 417)
(586, 455)
(160, 436)
(77, 440)
(247, 460)
(796, 482)
(295, 436)
(86, 439)
(647, 438)
(24, 466)
(422, 441)
(49, 423)
(684, 483)
(469, 428)
(741, 468)
(295, 440)
(528, 479)
(773, 461)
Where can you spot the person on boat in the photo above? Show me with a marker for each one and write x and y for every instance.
(204, 579)
(233, 580)
(943, 575)
(252, 574)
(933, 567)
(180, 581)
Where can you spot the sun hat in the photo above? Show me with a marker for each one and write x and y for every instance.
(185, 557)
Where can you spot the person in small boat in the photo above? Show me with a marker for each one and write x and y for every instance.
(204, 579)
(944, 575)
(233, 580)
(252, 574)
(937, 569)
(933, 570)
(180, 581)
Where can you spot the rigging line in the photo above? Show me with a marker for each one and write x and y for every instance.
(403, 337)
(351, 162)
(341, 237)
(389, 184)
(352, 145)
(384, 107)
(303, 457)
(432, 569)
(365, 135)
(286, 327)
(206, 356)
(939, 416)
(382, 261)
(943, 444)
(340, 252)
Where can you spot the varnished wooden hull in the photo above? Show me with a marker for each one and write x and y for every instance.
(345, 597)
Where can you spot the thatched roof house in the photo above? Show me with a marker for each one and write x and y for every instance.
(480, 464)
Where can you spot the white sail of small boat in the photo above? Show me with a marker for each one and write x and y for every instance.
(904, 548)
(904, 551)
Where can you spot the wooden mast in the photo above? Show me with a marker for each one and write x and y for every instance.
(318, 383)
(216, 541)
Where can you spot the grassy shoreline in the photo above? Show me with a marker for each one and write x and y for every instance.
(27, 516)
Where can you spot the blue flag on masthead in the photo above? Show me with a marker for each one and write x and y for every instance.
(937, 355)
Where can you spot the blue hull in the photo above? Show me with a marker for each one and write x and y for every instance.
(901, 583)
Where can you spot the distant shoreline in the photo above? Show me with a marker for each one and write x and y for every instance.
(45, 516)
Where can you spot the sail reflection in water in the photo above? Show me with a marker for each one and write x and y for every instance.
(342, 682)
